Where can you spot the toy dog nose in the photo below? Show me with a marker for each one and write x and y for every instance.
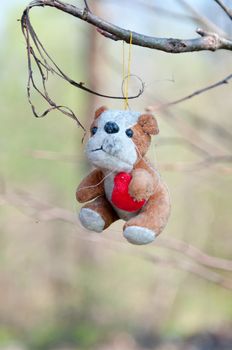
(111, 128)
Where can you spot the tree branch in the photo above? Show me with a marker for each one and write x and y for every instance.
(199, 263)
(196, 166)
(201, 19)
(207, 41)
(196, 254)
(195, 269)
(193, 94)
(225, 8)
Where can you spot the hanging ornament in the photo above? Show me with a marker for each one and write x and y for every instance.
(124, 185)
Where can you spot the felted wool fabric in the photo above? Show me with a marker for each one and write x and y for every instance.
(124, 185)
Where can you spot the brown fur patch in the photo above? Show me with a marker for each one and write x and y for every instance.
(141, 140)
(90, 187)
(99, 111)
(101, 206)
(142, 185)
(154, 215)
(148, 124)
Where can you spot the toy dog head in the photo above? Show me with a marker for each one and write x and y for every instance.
(119, 138)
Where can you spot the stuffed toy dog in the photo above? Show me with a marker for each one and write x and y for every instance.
(124, 185)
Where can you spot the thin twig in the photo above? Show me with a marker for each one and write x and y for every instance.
(198, 143)
(87, 6)
(158, 10)
(201, 19)
(201, 91)
(225, 8)
(163, 141)
(194, 253)
(207, 161)
(193, 94)
(214, 128)
(196, 166)
(193, 268)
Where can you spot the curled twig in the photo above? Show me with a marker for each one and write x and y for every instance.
(130, 76)
(37, 54)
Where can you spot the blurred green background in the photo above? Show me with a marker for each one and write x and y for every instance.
(62, 287)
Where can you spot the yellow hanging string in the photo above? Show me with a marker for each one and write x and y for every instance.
(123, 70)
(126, 77)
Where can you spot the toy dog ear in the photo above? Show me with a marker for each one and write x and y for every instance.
(148, 124)
(99, 111)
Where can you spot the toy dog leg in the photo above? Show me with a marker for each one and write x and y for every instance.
(143, 228)
(97, 215)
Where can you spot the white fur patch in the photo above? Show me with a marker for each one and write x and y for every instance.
(125, 119)
(113, 151)
(91, 220)
(139, 235)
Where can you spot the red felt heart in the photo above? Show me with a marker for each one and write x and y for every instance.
(120, 195)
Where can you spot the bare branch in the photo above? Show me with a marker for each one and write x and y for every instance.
(201, 19)
(196, 166)
(45, 212)
(215, 128)
(198, 144)
(87, 6)
(193, 94)
(225, 8)
(195, 269)
(163, 141)
(194, 253)
(205, 163)
(208, 41)
(158, 10)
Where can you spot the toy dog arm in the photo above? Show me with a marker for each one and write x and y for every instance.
(90, 187)
(143, 184)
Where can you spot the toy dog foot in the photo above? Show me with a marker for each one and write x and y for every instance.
(138, 235)
(91, 220)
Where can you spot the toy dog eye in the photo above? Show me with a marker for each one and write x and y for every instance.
(129, 132)
(93, 130)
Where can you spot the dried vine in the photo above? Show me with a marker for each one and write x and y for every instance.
(36, 53)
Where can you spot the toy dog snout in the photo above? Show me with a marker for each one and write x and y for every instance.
(112, 145)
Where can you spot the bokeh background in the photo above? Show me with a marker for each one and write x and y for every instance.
(62, 287)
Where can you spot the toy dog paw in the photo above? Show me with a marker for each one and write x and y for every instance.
(91, 220)
(139, 235)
